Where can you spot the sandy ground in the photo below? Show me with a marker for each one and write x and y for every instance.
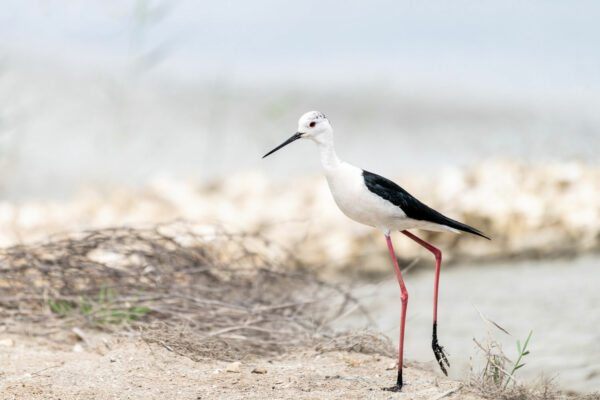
(102, 367)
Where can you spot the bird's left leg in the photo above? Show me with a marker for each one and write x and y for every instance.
(438, 350)
(404, 298)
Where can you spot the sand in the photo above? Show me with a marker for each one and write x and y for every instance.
(105, 367)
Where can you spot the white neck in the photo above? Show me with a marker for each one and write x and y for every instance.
(329, 159)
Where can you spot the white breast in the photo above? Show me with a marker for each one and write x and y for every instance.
(352, 196)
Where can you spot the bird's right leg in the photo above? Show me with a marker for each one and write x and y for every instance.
(404, 298)
(438, 350)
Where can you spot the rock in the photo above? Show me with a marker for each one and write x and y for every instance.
(7, 342)
(81, 336)
(391, 366)
(78, 348)
(234, 367)
(528, 209)
(259, 370)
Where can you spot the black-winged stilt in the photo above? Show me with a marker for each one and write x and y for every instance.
(376, 201)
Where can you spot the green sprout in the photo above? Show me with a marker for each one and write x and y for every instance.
(522, 353)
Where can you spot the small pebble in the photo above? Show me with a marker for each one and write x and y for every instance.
(259, 370)
(7, 342)
(391, 366)
(234, 367)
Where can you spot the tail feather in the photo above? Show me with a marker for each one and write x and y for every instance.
(463, 227)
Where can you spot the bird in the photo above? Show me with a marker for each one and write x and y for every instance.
(378, 202)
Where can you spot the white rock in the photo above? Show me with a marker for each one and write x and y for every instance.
(234, 367)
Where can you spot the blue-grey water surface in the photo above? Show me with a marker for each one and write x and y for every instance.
(559, 300)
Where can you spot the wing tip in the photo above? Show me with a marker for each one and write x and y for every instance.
(477, 233)
(468, 229)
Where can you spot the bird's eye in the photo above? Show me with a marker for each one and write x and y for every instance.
(312, 124)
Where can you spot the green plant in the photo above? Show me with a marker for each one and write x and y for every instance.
(497, 368)
(522, 353)
(60, 307)
(496, 372)
(106, 308)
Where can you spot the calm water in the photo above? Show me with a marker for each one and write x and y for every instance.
(558, 300)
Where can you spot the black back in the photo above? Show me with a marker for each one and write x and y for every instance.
(412, 207)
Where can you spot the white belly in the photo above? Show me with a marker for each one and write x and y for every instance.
(352, 196)
(358, 203)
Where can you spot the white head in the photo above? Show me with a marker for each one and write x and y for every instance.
(313, 125)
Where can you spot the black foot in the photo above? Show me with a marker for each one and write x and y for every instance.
(398, 386)
(438, 351)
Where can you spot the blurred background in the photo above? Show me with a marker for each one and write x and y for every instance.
(118, 112)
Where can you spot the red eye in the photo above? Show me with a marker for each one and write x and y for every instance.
(312, 124)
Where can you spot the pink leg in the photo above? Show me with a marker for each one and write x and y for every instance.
(404, 298)
(438, 350)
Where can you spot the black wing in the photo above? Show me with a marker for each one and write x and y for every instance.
(412, 207)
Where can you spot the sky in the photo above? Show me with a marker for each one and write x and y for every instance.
(510, 46)
(197, 88)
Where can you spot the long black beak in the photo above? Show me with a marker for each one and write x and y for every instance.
(295, 137)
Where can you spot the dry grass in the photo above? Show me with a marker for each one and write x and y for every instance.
(497, 379)
(201, 295)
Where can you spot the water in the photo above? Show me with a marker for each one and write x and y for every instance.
(558, 300)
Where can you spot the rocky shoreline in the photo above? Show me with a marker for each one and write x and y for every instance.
(532, 211)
